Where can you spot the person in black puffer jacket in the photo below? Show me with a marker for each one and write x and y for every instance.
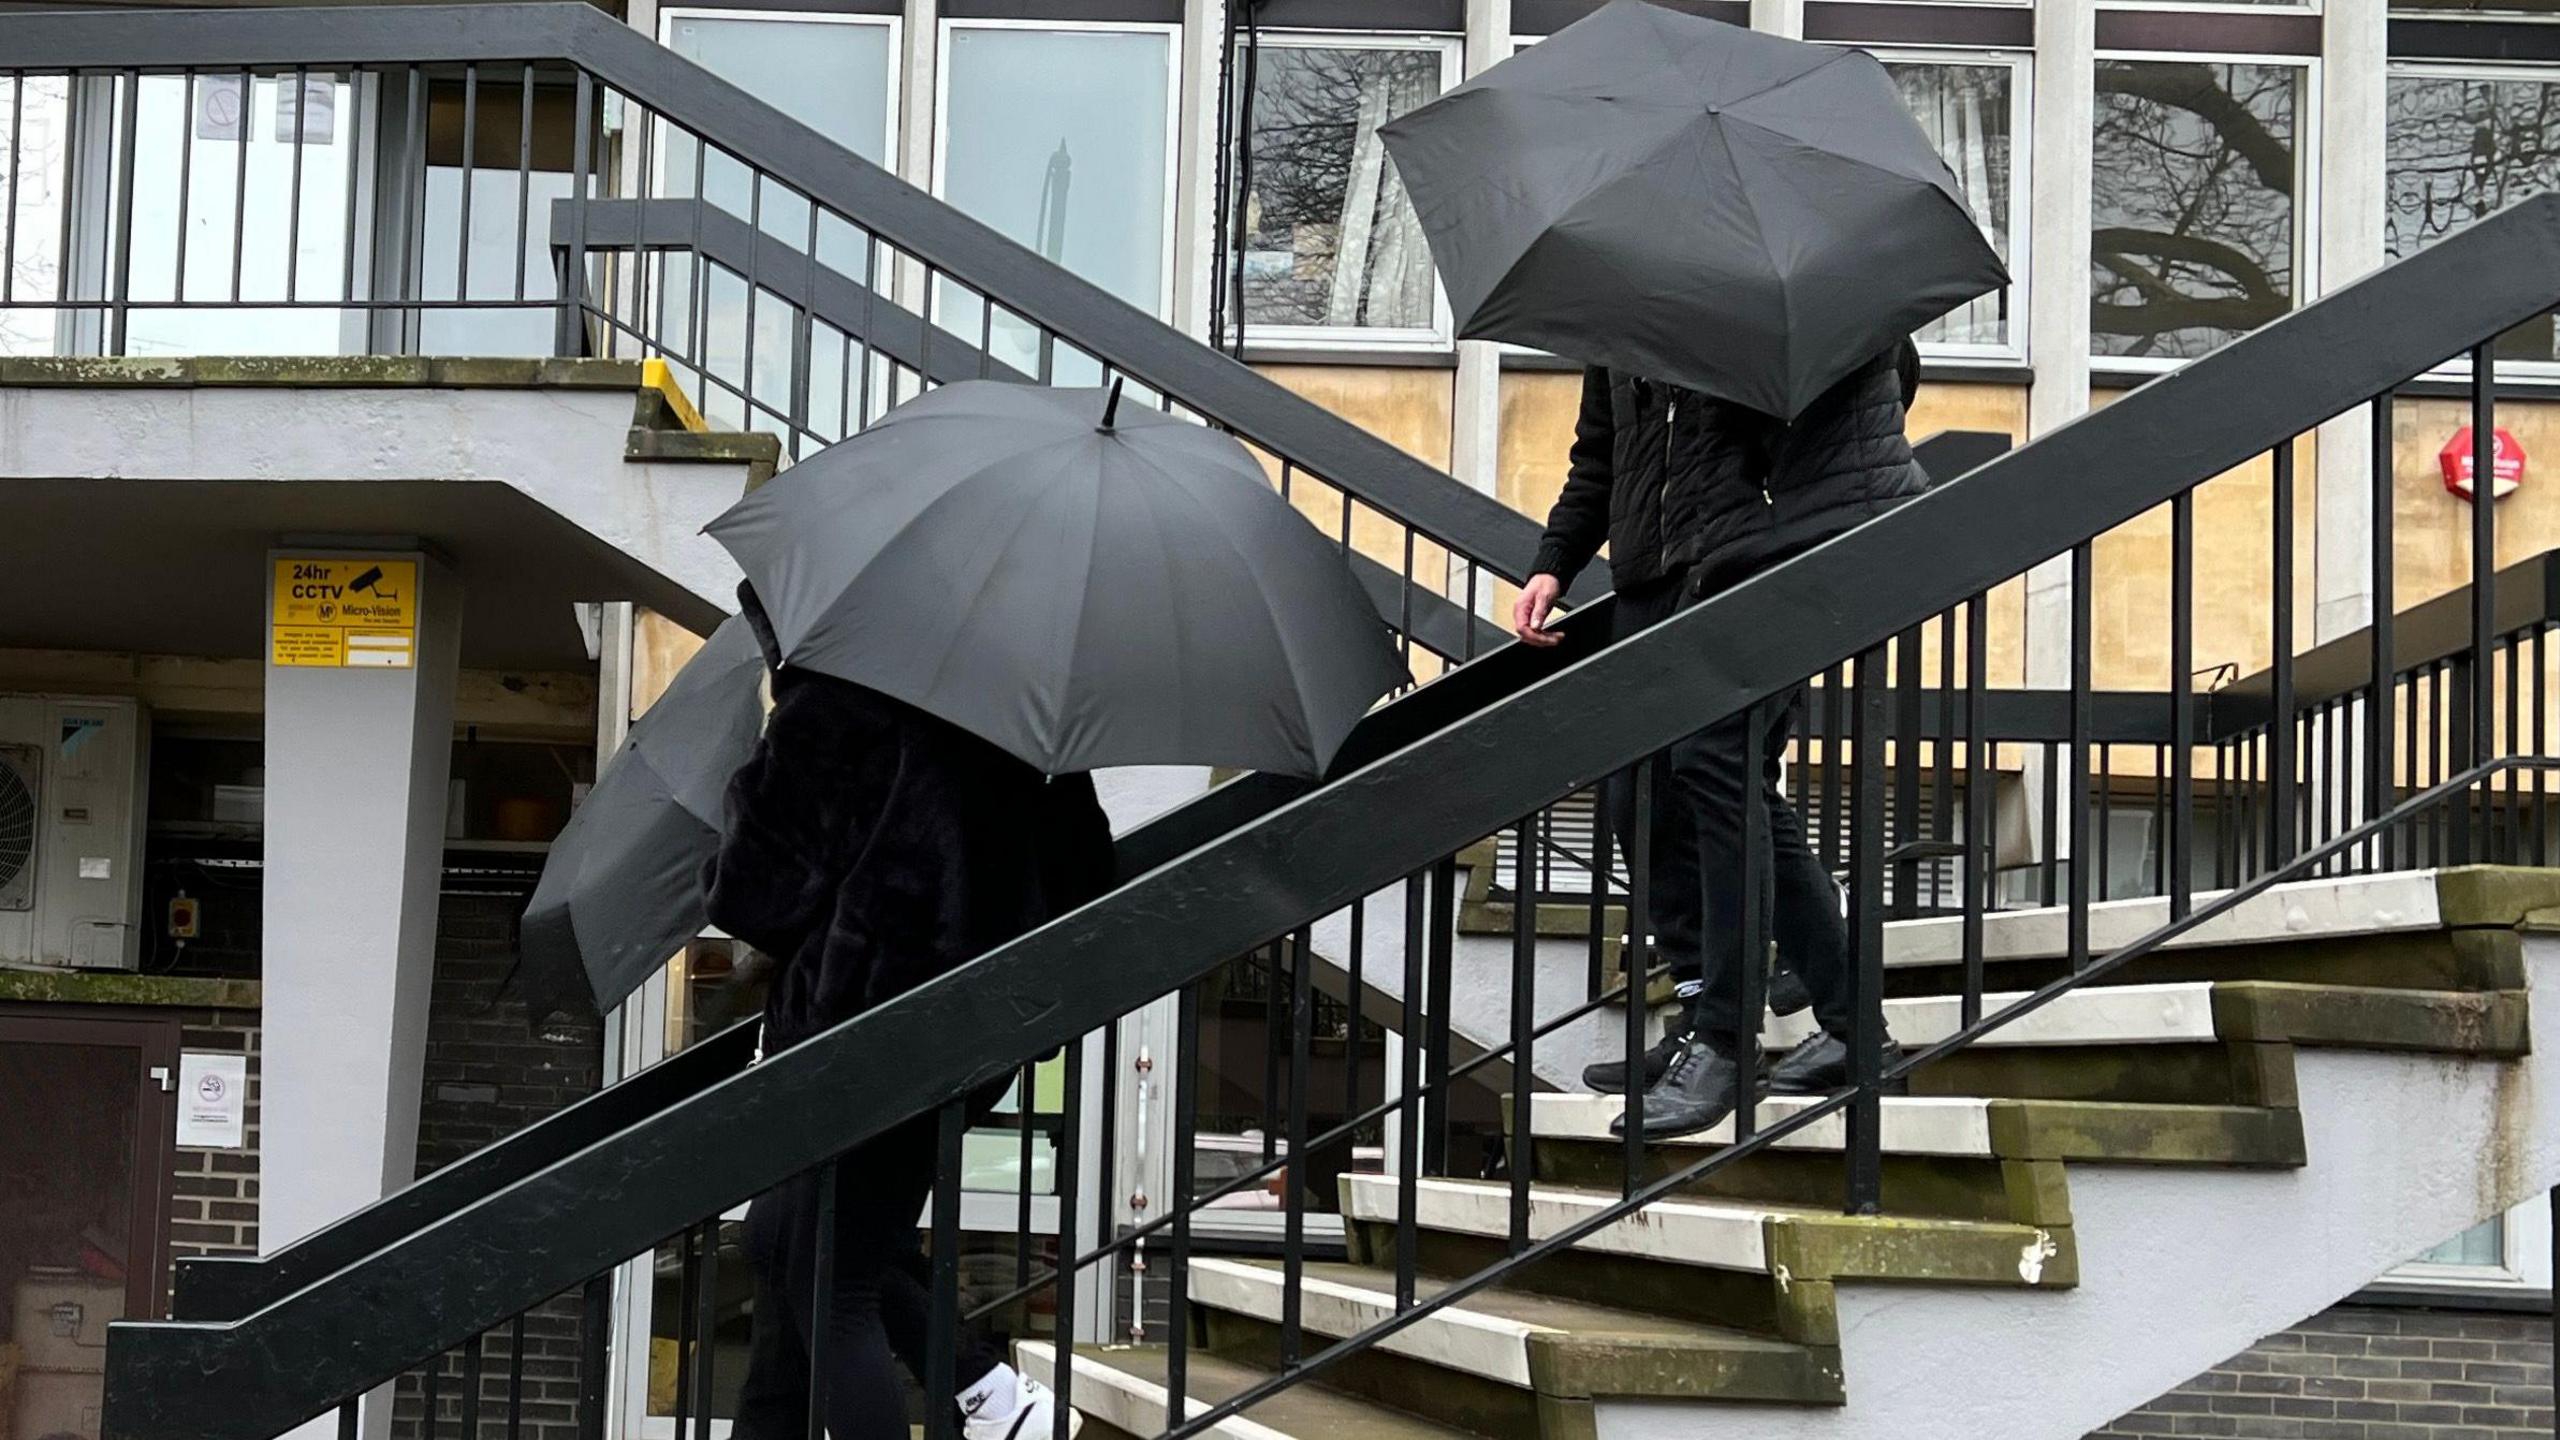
(1692, 495)
(869, 848)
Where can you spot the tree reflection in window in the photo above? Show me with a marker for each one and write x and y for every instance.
(1331, 236)
(2194, 187)
(1965, 111)
(2463, 148)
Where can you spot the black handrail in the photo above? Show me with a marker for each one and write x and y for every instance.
(1316, 854)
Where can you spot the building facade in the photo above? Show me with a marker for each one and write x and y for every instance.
(2160, 177)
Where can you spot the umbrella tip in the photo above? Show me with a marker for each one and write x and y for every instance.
(1111, 407)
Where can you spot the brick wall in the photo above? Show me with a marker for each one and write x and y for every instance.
(2361, 1373)
(488, 1075)
(213, 1205)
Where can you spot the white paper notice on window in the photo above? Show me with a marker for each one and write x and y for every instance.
(219, 107)
(213, 1101)
(319, 116)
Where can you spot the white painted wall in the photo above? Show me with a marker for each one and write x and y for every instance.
(562, 447)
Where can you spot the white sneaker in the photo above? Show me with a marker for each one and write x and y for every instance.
(1034, 1417)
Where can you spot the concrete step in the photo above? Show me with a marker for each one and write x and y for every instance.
(1531, 1342)
(1121, 1391)
(1806, 1242)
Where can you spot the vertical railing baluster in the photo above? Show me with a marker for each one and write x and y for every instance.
(942, 1345)
(2050, 880)
(524, 176)
(350, 1414)
(1601, 867)
(1942, 789)
(2482, 740)
(1835, 794)
(1409, 1113)
(462, 224)
(413, 229)
(568, 340)
(2282, 770)
(186, 183)
(1069, 1188)
(435, 1364)
(2083, 838)
(1436, 999)
(595, 1353)
(1026, 1087)
(293, 201)
(1184, 1093)
(688, 1283)
(1275, 1044)
(128, 119)
(1524, 993)
(1758, 871)
(1906, 827)
(2182, 707)
(2378, 746)
(1869, 718)
(1635, 962)
(1979, 801)
(2541, 822)
(17, 165)
(1355, 991)
(1293, 1200)
(705, 1342)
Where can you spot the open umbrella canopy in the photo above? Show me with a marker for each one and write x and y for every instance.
(622, 889)
(1749, 216)
(1079, 584)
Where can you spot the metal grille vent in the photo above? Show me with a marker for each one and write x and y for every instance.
(17, 827)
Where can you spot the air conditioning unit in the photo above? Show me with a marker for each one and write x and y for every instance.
(72, 786)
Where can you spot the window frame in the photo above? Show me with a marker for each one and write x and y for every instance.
(894, 25)
(2021, 67)
(2524, 1260)
(1440, 337)
(2217, 7)
(1166, 263)
(2523, 72)
(2306, 186)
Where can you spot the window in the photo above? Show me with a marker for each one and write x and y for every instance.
(1332, 249)
(505, 240)
(2196, 176)
(222, 167)
(1060, 137)
(2464, 145)
(2504, 1252)
(836, 74)
(1973, 110)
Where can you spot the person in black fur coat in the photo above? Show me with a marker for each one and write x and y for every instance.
(870, 847)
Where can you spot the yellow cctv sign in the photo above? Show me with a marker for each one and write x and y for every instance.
(352, 611)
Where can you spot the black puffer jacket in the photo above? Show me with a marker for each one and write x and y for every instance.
(871, 847)
(1674, 480)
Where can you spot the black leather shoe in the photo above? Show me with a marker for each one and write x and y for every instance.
(1787, 994)
(1820, 1064)
(1696, 1090)
(1609, 1077)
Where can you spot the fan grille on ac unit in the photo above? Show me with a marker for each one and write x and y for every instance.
(17, 827)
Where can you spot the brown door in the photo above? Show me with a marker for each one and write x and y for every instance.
(85, 1154)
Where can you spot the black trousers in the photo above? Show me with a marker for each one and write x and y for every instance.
(879, 1315)
(1695, 869)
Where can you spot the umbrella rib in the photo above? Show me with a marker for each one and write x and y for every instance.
(1760, 232)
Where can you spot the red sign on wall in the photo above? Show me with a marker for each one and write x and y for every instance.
(2508, 464)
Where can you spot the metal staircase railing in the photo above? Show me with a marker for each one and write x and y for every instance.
(1488, 750)
(873, 287)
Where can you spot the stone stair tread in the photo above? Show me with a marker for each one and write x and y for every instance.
(1958, 1126)
(1523, 1309)
(1529, 1340)
(1131, 1382)
(1740, 1235)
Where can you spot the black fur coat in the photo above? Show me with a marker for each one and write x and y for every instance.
(870, 847)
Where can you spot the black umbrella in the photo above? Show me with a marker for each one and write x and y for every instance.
(622, 889)
(1077, 591)
(1745, 215)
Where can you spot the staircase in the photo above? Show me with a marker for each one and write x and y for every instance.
(2245, 1131)
(2131, 1135)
